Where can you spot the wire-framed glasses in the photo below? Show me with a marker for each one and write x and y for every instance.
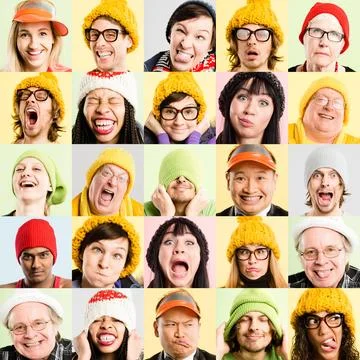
(259, 253)
(329, 252)
(332, 320)
(262, 34)
(324, 101)
(36, 325)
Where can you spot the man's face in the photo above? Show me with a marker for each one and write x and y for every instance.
(323, 272)
(181, 190)
(36, 264)
(253, 332)
(33, 344)
(251, 186)
(179, 332)
(325, 189)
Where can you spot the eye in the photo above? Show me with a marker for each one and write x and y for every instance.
(242, 97)
(200, 37)
(19, 169)
(239, 178)
(115, 101)
(118, 256)
(189, 242)
(179, 30)
(44, 255)
(23, 35)
(168, 242)
(96, 250)
(37, 168)
(43, 33)
(264, 103)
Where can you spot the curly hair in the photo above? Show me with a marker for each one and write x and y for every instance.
(129, 133)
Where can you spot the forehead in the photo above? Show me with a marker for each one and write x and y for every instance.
(252, 247)
(328, 92)
(35, 250)
(254, 26)
(254, 314)
(35, 26)
(113, 244)
(201, 23)
(28, 310)
(102, 93)
(114, 168)
(312, 236)
(188, 100)
(326, 170)
(102, 23)
(326, 21)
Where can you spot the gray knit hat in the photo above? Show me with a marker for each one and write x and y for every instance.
(326, 157)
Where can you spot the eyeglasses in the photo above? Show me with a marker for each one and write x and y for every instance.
(189, 113)
(260, 253)
(329, 252)
(37, 325)
(332, 320)
(108, 174)
(324, 101)
(40, 94)
(317, 33)
(110, 35)
(261, 35)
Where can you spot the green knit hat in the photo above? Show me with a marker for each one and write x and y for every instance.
(253, 300)
(177, 163)
(59, 190)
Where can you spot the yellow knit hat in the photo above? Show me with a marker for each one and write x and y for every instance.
(179, 82)
(252, 231)
(325, 82)
(119, 11)
(92, 223)
(327, 299)
(116, 156)
(47, 81)
(255, 12)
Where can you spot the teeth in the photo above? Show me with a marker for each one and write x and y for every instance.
(34, 52)
(104, 54)
(27, 183)
(32, 344)
(109, 191)
(326, 117)
(103, 123)
(107, 338)
(31, 111)
(185, 54)
(249, 198)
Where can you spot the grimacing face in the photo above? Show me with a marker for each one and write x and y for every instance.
(253, 268)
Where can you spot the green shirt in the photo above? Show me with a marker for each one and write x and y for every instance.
(269, 356)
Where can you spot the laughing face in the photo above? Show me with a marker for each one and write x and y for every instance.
(33, 344)
(325, 188)
(179, 258)
(253, 268)
(190, 41)
(323, 272)
(107, 334)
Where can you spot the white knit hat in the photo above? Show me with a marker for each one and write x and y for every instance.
(29, 295)
(335, 223)
(121, 82)
(110, 303)
(326, 157)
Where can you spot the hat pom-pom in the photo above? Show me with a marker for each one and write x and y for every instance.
(242, 220)
(259, 3)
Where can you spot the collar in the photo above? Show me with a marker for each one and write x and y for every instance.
(261, 213)
(190, 357)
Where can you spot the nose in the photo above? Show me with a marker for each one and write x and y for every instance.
(34, 42)
(36, 262)
(325, 181)
(252, 258)
(250, 106)
(179, 119)
(186, 42)
(102, 108)
(252, 39)
(179, 248)
(106, 323)
(321, 258)
(250, 186)
(100, 41)
(254, 325)
(324, 41)
(104, 261)
(179, 331)
(181, 179)
(30, 332)
(323, 328)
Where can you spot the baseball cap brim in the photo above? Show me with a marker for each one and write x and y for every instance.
(251, 156)
(165, 306)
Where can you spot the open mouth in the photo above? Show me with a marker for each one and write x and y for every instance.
(250, 199)
(103, 54)
(104, 127)
(35, 53)
(252, 53)
(32, 116)
(326, 116)
(329, 344)
(27, 184)
(32, 344)
(183, 56)
(106, 339)
(179, 268)
(323, 274)
(107, 195)
(325, 197)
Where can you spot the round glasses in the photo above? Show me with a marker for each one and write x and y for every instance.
(108, 174)
(189, 113)
(329, 252)
(317, 33)
(40, 94)
(261, 35)
(37, 325)
(260, 253)
(110, 35)
(332, 320)
(324, 101)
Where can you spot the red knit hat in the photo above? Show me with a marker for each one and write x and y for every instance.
(327, 8)
(35, 233)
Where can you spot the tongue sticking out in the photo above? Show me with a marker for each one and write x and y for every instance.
(183, 57)
(325, 198)
(329, 345)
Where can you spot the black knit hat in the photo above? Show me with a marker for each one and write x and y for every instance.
(207, 6)
(233, 85)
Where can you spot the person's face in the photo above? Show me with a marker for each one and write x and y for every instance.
(324, 120)
(179, 129)
(179, 258)
(323, 272)
(251, 186)
(253, 332)
(253, 268)
(107, 189)
(104, 110)
(35, 116)
(250, 114)
(325, 189)
(36, 264)
(179, 332)
(34, 43)
(322, 52)
(34, 345)
(254, 54)
(325, 341)
(110, 56)
(30, 181)
(107, 334)
(181, 190)
(190, 41)
(103, 261)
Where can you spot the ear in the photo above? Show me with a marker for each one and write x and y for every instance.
(156, 330)
(276, 177)
(129, 42)
(227, 176)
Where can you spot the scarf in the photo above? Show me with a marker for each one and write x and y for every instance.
(261, 282)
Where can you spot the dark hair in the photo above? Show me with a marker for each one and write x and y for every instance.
(259, 82)
(182, 225)
(129, 133)
(301, 348)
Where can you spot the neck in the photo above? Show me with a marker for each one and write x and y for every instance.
(41, 68)
(322, 139)
(35, 140)
(110, 356)
(308, 66)
(86, 284)
(116, 68)
(254, 140)
(243, 354)
(180, 208)
(244, 68)
(33, 209)
(47, 283)
(317, 212)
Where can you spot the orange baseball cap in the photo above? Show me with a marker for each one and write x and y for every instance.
(32, 11)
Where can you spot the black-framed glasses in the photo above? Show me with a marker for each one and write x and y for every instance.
(329, 252)
(189, 113)
(37, 325)
(262, 34)
(259, 253)
(317, 33)
(110, 35)
(40, 94)
(332, 320)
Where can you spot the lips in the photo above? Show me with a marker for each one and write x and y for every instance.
(103, 54)
(179, 268)
(324, 198)
(245, 123)
(32, 344)
(326, 116)
(107, 195)
(104, 126)
(329, 345)
(183, 56)
(27, 183)
(106, 339)
(252, 54)
(250, 199)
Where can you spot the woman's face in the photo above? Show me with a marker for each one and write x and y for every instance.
(34, 43)
(190, 41)
(250, 114)
(31, 181)
(103, 261)
(179, 129)
(104, 111)
(253, 268)
(107, 334)
(179, 258)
